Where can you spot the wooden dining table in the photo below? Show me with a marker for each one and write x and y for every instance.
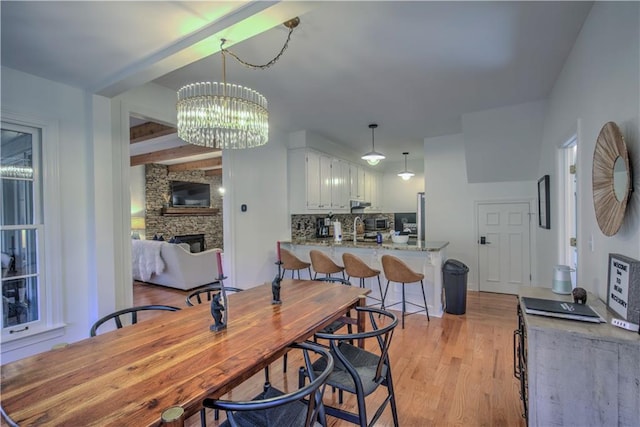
(129, 376)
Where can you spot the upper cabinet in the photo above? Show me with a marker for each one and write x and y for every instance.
(319, 183)
(372, 191)
(340, 185)
(356, 182)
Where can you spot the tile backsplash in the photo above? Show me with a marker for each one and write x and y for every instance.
(304, 226)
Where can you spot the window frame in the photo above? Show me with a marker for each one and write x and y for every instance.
(47, 222)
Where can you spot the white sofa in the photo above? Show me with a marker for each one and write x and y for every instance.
(172, 265)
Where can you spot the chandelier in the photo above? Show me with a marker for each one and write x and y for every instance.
(406, 174)
(373, 157)
(224, 115)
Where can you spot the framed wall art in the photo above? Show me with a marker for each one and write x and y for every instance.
(544, 209)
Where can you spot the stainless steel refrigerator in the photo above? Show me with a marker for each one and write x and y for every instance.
(420, 216)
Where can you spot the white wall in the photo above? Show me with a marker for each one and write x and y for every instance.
(399, 195)
(501, 142)
(137, 183)
(258, 179)
(450, 199)
(599, 82)
(82, 194)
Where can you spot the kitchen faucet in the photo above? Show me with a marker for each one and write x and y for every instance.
(355, 228)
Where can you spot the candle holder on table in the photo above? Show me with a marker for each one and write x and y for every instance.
(219, 306)
(275, 285)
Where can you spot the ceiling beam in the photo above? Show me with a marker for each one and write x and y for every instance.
(197, 164)
(213, 172)
(149, 130)
(249, 19)
(170, 154)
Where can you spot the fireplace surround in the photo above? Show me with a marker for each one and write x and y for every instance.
(195, 241)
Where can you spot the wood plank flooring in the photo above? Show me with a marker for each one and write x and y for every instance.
(451, 371)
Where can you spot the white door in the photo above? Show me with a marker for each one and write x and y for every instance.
(503, 246)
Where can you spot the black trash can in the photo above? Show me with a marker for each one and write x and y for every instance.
(454, 275)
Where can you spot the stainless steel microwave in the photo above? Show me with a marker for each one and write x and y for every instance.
(375, 224)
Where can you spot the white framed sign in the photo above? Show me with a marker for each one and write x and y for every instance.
(623, 293)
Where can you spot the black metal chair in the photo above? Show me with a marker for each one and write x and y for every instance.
(302, 407)
(334, 326)
(132, 311)
(360, 371)
(338, 324)
(196, 296)
(7, 419)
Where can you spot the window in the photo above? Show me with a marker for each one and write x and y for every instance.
(29, 305)
(21, 222)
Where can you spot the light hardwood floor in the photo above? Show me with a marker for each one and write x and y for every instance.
(451, 371)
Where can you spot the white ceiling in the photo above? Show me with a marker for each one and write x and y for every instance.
(412, 67)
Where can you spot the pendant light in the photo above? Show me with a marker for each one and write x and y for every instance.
(373, 157)
(406, 174)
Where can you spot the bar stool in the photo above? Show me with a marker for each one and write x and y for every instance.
(293, 263)
(356, 267)
(397, 270)
(321, 263)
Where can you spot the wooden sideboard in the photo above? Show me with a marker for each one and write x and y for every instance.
(576, 373)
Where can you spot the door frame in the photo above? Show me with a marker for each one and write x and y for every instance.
(532, 235)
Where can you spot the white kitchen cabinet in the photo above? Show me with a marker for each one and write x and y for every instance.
(314, 187)
(312, 179)
(372, 190)
(325, 182)
(361, 174)
(340, 188)
(356, 182)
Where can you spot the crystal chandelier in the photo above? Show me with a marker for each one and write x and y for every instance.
(406, 174)
(224, 115)
(16, 171)
(373, 157)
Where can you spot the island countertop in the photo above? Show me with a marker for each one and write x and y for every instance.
(412, 245)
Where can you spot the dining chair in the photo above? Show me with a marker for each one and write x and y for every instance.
(334, 326)
(323, 264)
(7, 419)
(359, 371)
(354, 266)
(293, 263)
(272, 407)
(132, 311)
(195, 297)
(337, 324)
(396, 270)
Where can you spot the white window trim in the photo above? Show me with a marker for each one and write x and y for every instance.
(52, 302)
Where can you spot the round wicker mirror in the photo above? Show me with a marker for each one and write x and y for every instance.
(611, 179)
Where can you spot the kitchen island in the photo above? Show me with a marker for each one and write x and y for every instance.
(425, 257)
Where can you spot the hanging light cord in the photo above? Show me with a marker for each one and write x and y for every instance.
(373, 140)
(290, 24)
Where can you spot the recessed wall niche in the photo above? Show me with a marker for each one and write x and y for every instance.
(158, 188)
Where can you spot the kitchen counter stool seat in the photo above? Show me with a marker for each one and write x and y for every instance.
(356, 267)
(321, 263)
(293, 263)
(396, 270)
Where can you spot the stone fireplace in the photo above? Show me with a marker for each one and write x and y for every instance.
(160, 222)
(195, 241)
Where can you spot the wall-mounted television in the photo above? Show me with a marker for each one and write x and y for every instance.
(195, 194)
